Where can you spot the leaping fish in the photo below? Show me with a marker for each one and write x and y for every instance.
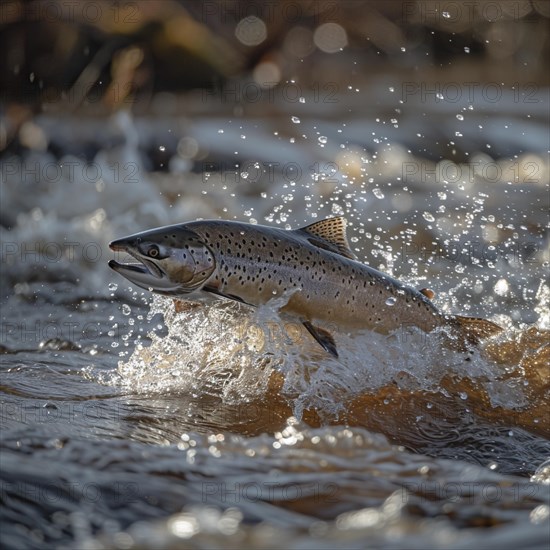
(313, 265)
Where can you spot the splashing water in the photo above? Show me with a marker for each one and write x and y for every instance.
(236, 352)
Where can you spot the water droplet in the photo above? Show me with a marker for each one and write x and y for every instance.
(463, 395)
(501, 287)
(302, 100)
(377, 192)
(466, 49)
(337, 209)
(428, 217)
(162, 148)
(126, 309)
(295, 119)
(460, 117)
(322, 139)
(391, 301)
(113, 286)
(220, 131)
(446, 15)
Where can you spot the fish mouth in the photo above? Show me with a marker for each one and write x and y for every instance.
(143, 273)
(139, 269)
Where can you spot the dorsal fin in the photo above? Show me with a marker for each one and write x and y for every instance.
(330, 234)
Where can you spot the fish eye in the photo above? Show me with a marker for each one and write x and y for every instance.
(153, 251)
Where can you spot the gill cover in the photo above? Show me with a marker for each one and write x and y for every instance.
(173, 260)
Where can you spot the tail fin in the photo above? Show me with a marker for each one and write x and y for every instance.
(476, 328)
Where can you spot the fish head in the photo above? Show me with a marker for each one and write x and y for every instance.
(172, 260)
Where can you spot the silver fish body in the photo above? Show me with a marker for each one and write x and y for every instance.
(312, 266)
(257, 263)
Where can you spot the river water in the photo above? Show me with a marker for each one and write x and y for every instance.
(132, 421)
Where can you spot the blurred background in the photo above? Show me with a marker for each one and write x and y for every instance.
(240, 57)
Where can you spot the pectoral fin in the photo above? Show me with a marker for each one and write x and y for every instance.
(476, 328)
(323, 337)
(214, 290)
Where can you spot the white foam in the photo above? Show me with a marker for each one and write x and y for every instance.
(232, 350)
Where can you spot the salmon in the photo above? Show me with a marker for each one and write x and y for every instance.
(313, 267)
